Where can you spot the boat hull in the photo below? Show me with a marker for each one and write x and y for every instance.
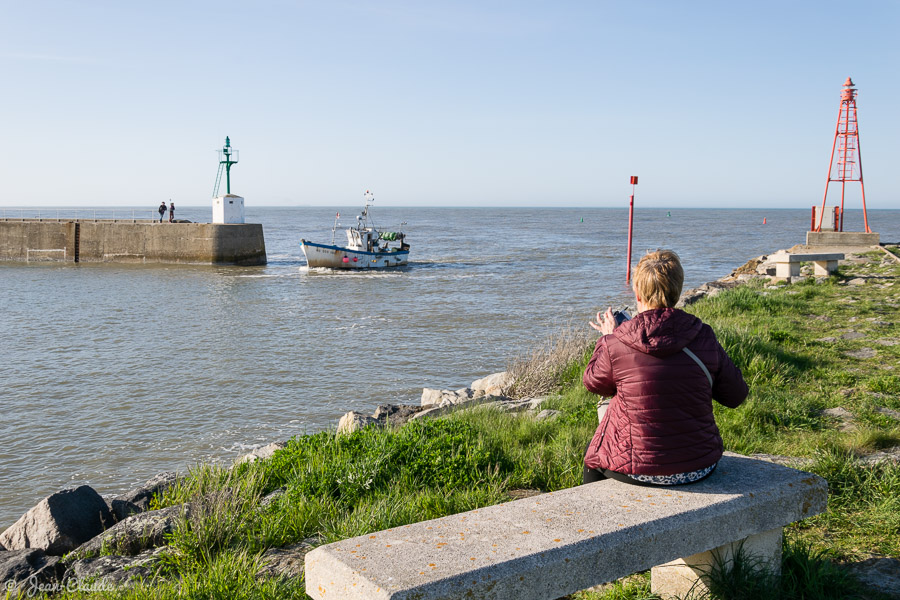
(337, 257)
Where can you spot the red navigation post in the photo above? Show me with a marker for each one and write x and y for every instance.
(630, 226)
(849, 157)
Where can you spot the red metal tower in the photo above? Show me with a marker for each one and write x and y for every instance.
(848, 166)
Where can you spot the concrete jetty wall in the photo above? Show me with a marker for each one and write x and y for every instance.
(131, 241)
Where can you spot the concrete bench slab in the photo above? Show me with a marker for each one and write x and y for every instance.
(555, 544)
(788, 265)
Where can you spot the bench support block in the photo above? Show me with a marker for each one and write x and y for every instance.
(824, 268)
(686, 577)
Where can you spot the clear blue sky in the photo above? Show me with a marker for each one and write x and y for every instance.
(111, 103)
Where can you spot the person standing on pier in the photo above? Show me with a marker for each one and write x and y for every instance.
(171, 211)
(161, 210)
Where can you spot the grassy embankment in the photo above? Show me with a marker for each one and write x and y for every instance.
(337, 487)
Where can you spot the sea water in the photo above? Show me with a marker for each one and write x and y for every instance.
(110, 373)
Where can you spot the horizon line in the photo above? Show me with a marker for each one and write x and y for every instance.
(463, 206)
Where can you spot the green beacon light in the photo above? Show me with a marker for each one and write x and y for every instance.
(227, 156)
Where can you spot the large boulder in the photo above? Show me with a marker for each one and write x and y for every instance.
(23, 570)
(60, 522)
(354, 421)
(135, 534)
(496, 384)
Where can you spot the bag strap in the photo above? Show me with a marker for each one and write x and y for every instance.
(699, 362)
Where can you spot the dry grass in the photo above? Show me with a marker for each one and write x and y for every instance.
(552, 365)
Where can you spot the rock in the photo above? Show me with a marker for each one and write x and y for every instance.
(534, 403)
(889, 455)
(547, 414)
(395, 414)
(272, 497)
(447, 407)
(852, 335)
(115, 571)
(260, 453)
(135, 534)
(140, 497)
(431, 411)
(354, 421)
(17, 567)
(60, 522)
(284, 562)
(857, 281)
(862, 353)
(689, 297)
(842, 414)
(121, 509)
(827, 339)
(707, 289)
(878, 573)
(507, 405)
(748, 268)
(877, 321)
(838, 412)
(887, 342)
(432, 397)
(496, 384)
(894, 414)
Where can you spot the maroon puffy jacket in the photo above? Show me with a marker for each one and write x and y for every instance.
(660, 419)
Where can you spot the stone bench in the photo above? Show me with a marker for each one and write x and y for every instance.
(788, 265)
(555, 544)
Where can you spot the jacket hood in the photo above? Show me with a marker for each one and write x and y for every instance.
(659, 332)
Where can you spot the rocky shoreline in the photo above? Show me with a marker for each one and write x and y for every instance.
(76, 537)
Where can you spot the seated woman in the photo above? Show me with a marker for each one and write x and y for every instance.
(663, 368)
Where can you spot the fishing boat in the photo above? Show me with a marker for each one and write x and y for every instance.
(367, 247)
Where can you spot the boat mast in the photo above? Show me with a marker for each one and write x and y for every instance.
(370, 197)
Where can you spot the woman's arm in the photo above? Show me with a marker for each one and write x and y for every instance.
(598, 377)
(729, 388)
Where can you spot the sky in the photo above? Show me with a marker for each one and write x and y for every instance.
(432, 103)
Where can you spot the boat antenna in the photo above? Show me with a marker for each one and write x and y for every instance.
(370, 198)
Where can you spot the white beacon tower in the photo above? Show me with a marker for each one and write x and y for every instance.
(228, 208)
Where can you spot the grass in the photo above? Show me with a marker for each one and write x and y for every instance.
(333, 487)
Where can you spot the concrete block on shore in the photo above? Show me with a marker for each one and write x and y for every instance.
(842, 238)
